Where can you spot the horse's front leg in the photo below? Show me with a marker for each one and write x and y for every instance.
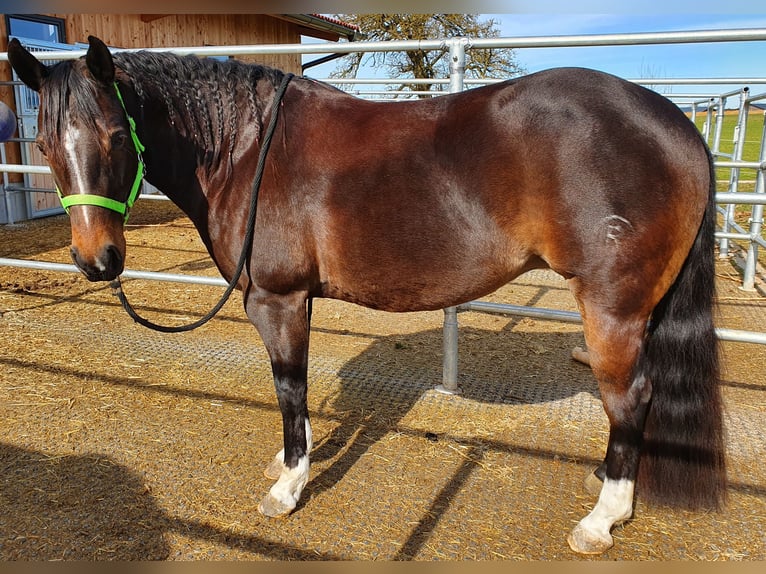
(282, 321)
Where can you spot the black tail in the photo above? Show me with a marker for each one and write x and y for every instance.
(682, 461)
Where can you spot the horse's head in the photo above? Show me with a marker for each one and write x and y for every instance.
(90, 144)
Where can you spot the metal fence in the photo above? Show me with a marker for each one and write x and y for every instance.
(714, 106)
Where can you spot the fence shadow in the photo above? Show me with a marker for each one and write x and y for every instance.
(387, 379)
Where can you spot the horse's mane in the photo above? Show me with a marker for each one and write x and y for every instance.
(206, 99)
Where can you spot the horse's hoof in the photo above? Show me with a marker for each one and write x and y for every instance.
(581, 355)
(593, 484)
(273, 508)
(274, 470)
(584, 542)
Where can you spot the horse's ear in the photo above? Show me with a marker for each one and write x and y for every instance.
(29, 69)
(99, 61)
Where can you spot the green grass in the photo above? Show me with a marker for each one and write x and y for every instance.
(751, 151)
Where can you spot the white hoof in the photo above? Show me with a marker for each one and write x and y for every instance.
(284, 494)
(274, 508)
(584, 542)
(615, 505)
(581, 355)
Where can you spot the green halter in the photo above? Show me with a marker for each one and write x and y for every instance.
(121, 207)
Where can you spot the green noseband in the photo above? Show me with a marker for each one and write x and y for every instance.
(121, 207)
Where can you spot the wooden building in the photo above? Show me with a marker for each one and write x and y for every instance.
(136, 31)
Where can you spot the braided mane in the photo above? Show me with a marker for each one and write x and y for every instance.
(206, 99)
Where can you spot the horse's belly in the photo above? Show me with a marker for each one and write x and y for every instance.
(448, 250)
(441, 284)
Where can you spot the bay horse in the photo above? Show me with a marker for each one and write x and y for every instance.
(423, 205)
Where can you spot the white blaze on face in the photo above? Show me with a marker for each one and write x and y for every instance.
(80, 183)
(71, 135)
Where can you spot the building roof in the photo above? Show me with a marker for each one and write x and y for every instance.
(336, 21)
(321, 26)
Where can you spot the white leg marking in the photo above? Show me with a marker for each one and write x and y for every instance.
(287, 490)
(309, 437)
(275, 467)
(284, 494)
(615, 505)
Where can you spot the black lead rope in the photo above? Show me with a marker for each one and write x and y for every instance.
(247, 243)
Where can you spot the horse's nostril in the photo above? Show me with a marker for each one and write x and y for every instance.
(76, 259)
(113, 262)
(114, 256)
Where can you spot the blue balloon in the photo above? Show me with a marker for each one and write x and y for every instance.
(7, 122)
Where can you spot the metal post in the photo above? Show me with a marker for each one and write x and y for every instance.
(457, 48)
(756, 221)
(449, 384)
(6, 194)
(716, 148)
(739, 143)
(450, 346)
(708, 120)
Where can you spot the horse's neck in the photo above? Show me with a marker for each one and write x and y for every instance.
(171, 164)
(190, 167)
(189, 152)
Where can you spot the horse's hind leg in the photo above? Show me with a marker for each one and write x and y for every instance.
(282, 322)
(595, 480)
(614, 345)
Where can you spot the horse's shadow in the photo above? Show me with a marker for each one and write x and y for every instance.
(77, 507)
(380, 386)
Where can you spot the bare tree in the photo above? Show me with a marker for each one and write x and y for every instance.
(427, 64)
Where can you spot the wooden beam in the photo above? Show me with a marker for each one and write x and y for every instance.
(321, 34)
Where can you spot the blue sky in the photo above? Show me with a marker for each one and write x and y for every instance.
(661, 61)
(689, 60)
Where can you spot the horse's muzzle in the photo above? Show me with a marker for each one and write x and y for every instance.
(106, 266)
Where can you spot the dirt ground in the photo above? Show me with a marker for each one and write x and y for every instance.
(121, 443)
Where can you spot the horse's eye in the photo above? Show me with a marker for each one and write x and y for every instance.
(119, 139)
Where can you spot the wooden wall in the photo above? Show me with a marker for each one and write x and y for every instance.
(144, 31)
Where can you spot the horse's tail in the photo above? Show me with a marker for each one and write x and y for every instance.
(682, 460)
